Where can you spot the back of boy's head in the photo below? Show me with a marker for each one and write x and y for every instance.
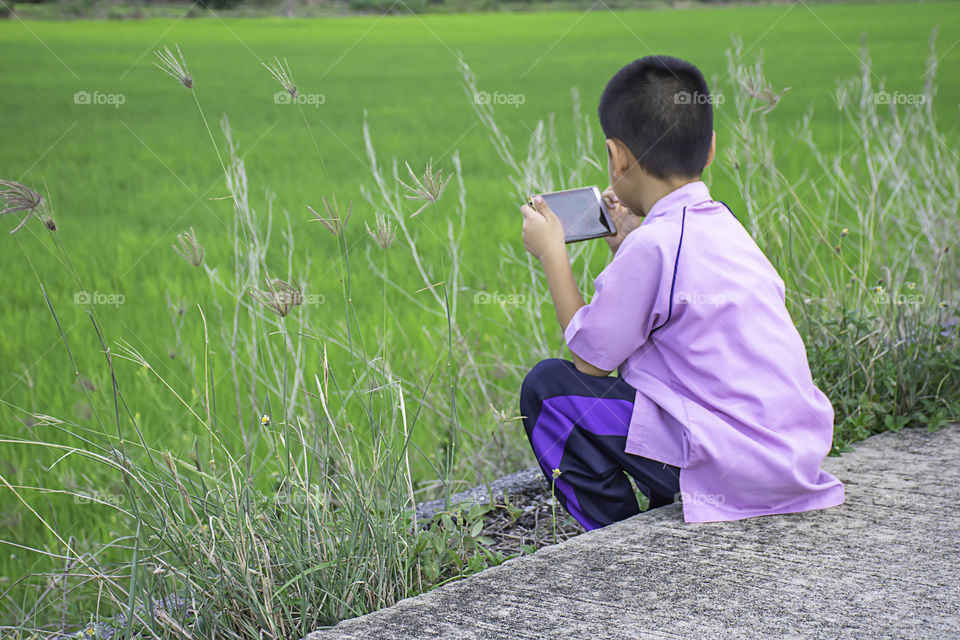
(660, 108)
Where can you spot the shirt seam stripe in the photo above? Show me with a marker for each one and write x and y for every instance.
(673, 281)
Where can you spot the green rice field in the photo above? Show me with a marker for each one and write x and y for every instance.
(129, 162)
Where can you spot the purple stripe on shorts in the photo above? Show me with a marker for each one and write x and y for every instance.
(558, 415)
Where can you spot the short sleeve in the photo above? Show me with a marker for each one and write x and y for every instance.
(626, 305)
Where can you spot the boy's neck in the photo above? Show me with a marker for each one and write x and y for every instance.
(656, 189)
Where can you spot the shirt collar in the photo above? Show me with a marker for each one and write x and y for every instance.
(689, 194)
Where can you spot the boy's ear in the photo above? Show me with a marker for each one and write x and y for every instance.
(713, 150)
(617, 155)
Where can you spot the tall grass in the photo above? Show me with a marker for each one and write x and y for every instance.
(864, 242)
(308, 519)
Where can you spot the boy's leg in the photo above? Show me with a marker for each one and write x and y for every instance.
(578, 423)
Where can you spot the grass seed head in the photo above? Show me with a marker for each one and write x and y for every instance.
(19, 197)
(189, 248)
(282, 74)
(383, 232)
(761, 90)
(279, 296)
(169, 462)
(172, 66)
(335, 221)
(427, 188)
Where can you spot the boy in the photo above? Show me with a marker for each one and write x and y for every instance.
(714, 399)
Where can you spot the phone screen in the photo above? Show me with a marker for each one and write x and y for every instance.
(582, 213)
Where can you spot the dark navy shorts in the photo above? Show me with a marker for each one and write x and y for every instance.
(578, 423)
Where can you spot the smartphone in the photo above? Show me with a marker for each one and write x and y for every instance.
(582, 212)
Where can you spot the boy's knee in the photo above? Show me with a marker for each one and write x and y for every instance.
(546, 379)
(536, 381)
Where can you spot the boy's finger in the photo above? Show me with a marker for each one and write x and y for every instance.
(543, 208)
(529, 212)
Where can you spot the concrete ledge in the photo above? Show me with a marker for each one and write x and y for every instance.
(885, 564)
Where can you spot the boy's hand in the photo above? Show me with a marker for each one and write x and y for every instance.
(625, 220)
(542, 231)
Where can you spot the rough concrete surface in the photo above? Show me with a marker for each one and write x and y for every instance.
(884, 564)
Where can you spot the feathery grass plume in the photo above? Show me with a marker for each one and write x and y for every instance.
(20, 197)
(762, 92)
(283, 75)
(383, 232)
(175, 68)
(189, 248)
(334, 222)
(279, 297)
(752, 80)
(427, 188)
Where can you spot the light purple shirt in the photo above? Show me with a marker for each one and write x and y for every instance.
(693, 314)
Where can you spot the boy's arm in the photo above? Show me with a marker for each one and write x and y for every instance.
(543, 237)
(566, 300)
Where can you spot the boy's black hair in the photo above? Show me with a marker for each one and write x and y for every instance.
(660, 108)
